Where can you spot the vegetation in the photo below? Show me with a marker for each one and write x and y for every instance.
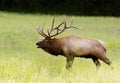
(22, 62)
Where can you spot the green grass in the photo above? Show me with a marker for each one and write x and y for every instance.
(22, 62)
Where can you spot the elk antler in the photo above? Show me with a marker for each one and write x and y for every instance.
(41, 32)
(57, 29)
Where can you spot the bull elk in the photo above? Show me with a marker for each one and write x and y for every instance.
(72, 46)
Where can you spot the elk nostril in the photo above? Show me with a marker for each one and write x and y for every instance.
(37, 43)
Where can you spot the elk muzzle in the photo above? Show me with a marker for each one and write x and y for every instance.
(38, 45)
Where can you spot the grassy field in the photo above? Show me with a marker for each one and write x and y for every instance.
(22, 62)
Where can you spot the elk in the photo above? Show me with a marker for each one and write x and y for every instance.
(72, 46)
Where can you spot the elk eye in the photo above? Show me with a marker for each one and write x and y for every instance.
(46, 40)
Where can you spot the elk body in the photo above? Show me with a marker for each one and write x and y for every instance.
(72, 46)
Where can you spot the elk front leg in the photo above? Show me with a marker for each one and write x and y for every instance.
(69, 60)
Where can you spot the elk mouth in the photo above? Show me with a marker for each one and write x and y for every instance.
(38, 46)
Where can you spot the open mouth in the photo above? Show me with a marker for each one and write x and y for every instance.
(38, 46)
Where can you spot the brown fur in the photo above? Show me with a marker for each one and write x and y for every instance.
(72, 46)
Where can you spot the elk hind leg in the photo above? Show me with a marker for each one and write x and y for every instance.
(107, 61)
(96, 61)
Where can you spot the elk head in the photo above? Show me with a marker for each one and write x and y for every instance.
(49, 40)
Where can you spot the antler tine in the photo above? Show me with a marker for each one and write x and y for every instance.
(59, 30)
(71, 26)
(41, 32)
(56, 28)
(49, 32)
(52, 25)
(38, 30)
(64, 26)
(71, 22)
